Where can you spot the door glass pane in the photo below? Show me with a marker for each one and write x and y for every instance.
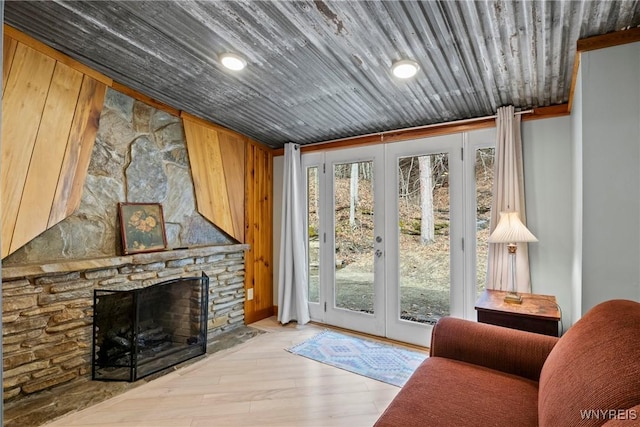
(313, 227)
(354, 253)
(484, 197)
(424, 261)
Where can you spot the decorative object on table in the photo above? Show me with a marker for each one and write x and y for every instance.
(512, 231)
(382, 362)
(142, 227)
(537, 313)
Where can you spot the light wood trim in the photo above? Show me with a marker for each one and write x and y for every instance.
(58, 56)
(22, 104)
(426, 132)
(48, 153)
(212, 198)
(395, 136)
(617, 38)
(146, 99)
(602, 41)
(16, 35)
(547, 112)
(205, 123)
(574, 80)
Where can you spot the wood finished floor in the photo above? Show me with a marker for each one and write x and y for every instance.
(257, 383)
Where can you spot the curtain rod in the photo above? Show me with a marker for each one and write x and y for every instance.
(382, 134)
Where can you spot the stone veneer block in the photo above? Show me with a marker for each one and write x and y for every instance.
(48, 308)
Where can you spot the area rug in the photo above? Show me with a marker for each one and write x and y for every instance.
(382, 362)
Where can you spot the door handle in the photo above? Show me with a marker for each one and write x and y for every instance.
(378, 253)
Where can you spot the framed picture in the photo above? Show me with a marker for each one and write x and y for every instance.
(142, 227)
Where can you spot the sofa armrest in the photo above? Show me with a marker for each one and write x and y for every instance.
(503, 349)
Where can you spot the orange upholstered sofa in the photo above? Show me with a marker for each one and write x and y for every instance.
(485, 375)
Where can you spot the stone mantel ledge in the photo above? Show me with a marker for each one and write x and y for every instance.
(66, 266)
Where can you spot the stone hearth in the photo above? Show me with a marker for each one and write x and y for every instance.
(48, 308)
(37, 409)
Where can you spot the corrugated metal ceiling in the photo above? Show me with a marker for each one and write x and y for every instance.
(319, 70)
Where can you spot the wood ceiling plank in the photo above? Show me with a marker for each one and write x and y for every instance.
(48, 155)
(22, 104)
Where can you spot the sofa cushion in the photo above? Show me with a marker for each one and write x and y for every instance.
(593, 367)
(445, 392)
(508, 350)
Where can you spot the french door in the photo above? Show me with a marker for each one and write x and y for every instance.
(346, 254)
(386, 229)
(424, 219)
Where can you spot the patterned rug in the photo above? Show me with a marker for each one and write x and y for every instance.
(382, 362)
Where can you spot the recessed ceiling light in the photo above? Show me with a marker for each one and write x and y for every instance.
(232, 61)
(405, 69)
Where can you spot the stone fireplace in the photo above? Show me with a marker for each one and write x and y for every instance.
(48, 308)
(139, 155)
(142, 331)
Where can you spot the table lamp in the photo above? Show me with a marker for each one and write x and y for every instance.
(511, 230)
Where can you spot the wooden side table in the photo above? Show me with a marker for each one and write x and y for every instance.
(537, 313)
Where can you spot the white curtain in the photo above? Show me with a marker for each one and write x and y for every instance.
(508, 195)
(292, 283)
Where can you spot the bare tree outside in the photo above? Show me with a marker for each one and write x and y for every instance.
(423, 268)
(353, 199)
(426, 200)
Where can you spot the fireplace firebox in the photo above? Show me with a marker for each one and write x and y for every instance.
(142, 331)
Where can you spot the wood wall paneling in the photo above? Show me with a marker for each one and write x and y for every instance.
(259, 230)
(232, 152)
(82, 137)
(42, 175)
(22, 104)
(50, 118)
(207, 169)
(51, 110)
(50, 52)
(250, 279)
(233, 179)
(8, 51)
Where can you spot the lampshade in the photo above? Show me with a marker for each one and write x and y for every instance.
(511, 230)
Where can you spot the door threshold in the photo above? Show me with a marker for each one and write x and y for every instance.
(418, 348)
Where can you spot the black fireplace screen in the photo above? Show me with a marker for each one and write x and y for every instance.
(142, 331)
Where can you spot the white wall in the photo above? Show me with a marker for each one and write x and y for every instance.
(576, 264)
(611, 174)
(547, 153)
(547, 169)
(582, 184)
